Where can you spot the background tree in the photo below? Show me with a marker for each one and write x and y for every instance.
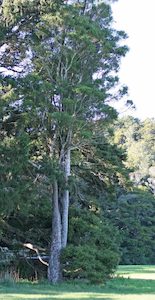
(135, 207)
(137, 139)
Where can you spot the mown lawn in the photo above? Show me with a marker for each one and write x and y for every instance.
(119, 288)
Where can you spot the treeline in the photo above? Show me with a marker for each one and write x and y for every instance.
(64, 154)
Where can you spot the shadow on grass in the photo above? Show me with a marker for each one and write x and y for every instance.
(69, 291)
(28, 291)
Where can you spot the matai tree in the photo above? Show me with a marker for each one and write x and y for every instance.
(63, 59)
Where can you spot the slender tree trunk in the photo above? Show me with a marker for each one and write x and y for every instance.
(59, 224)
(65, 202)
(54, 269)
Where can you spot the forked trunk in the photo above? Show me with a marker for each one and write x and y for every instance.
(59, 224)
(54, 269)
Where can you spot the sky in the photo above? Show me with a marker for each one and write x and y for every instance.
(137, 19)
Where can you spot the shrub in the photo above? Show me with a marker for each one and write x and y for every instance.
(92, 253)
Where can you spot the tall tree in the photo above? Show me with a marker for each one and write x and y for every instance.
(64, 60)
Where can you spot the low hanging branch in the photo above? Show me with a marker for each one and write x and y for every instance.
(31, 247)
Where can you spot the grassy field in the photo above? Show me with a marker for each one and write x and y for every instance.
(131, 283)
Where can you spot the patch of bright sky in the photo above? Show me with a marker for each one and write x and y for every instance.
(137, 19)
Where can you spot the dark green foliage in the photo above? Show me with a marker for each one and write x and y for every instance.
(92, 253)
(7, 257)
(137, 226)
(133, 212)
(133, 215)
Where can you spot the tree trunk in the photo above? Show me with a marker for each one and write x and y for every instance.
(54, 270)
(65, 202)
(59, 224)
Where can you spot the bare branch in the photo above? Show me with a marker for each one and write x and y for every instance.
(31, 247)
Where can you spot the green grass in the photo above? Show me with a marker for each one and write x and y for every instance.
(119, 288)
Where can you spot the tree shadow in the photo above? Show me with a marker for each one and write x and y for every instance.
(42, 292)
(67, 291)
(130, 286)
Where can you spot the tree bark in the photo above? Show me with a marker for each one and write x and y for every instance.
(65, 201)
(54, 269)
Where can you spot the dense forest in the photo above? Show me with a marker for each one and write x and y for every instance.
(77, 183)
